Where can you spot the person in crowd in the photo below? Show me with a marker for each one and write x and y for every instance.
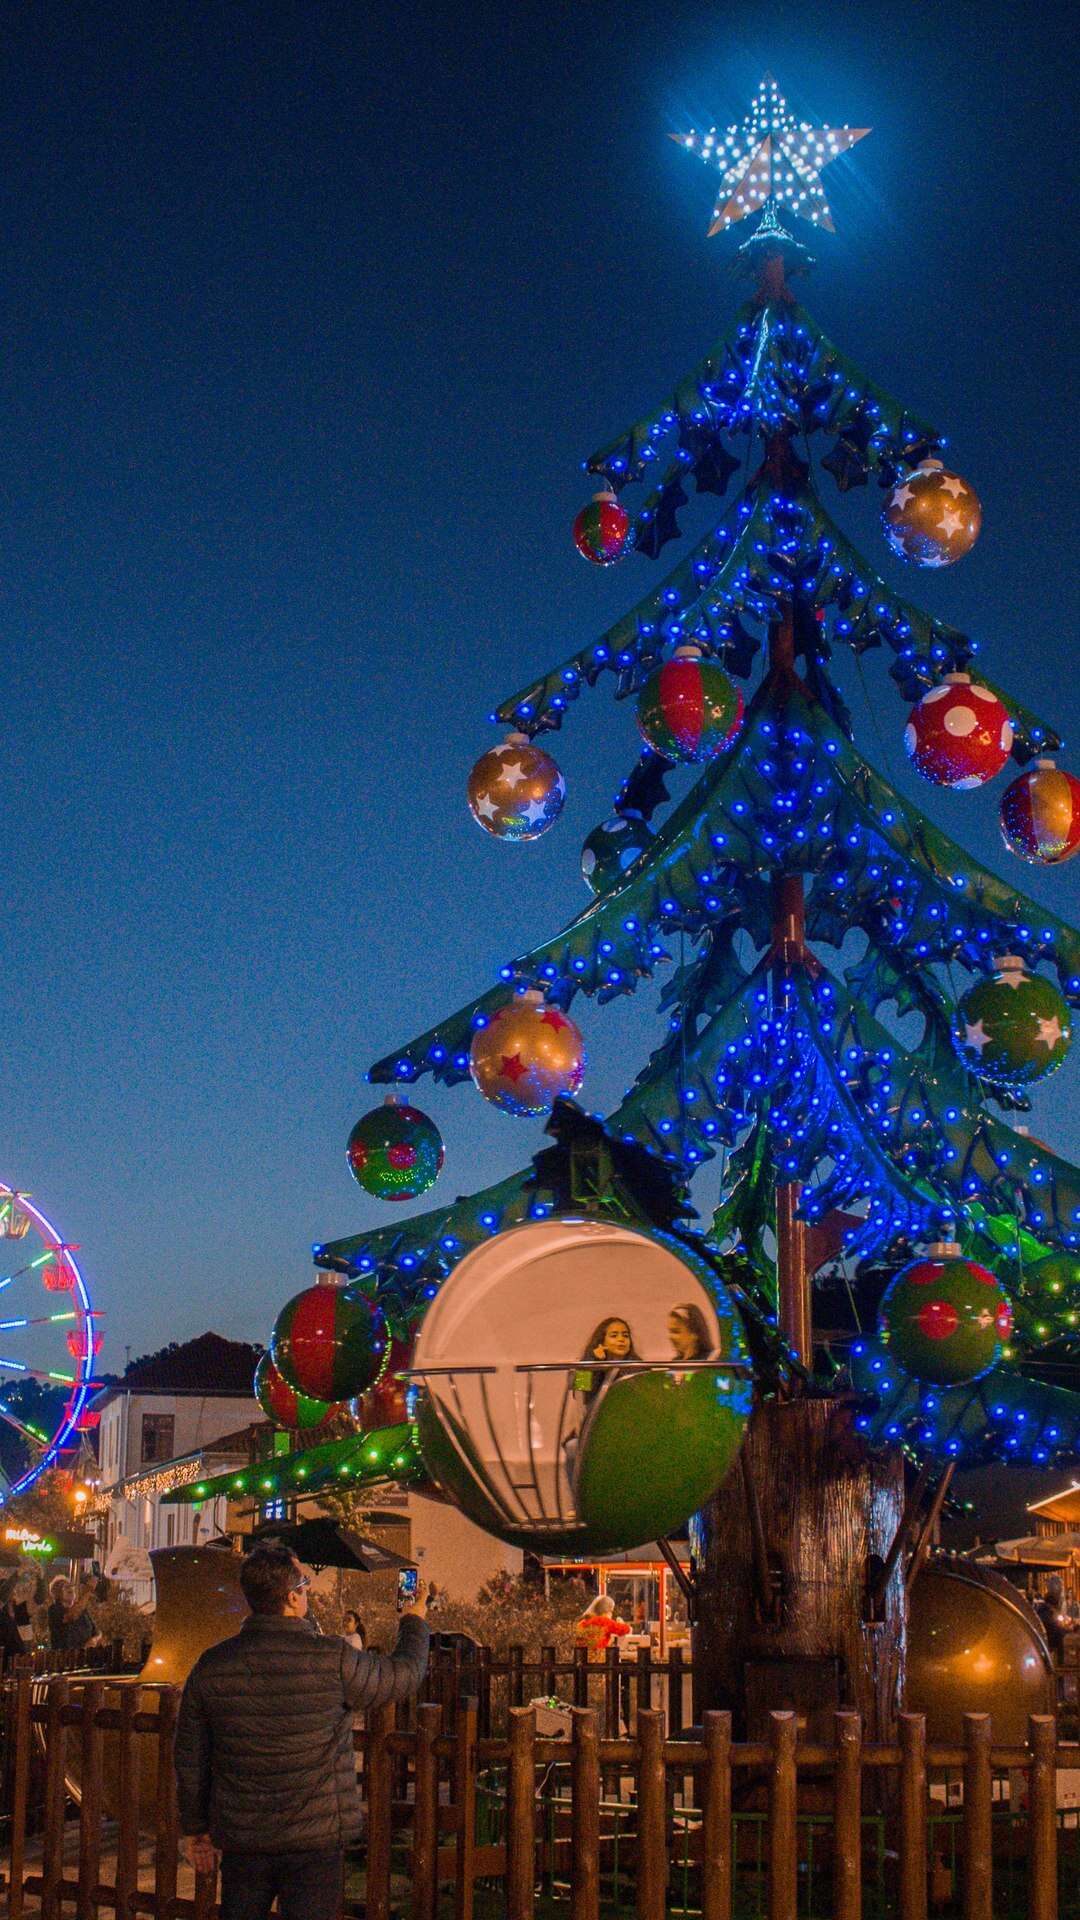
(1051, 1611)
(598, 1626)
(16, 1620)
(611, 1340)
(265, 1770)
(70, 1625)
(689, 1334)
(352, 1629)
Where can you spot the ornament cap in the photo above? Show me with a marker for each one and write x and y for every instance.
(393, 1098)
(607, 494)
(1048, 765)
(957, 680)
(532, 997)
(517, 739)
(687, 652)
(944, 1249)
(930, 466)
(1008, 963)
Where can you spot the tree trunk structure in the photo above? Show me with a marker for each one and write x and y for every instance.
(790, 1552)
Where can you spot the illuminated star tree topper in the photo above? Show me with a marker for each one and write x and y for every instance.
(771, 157)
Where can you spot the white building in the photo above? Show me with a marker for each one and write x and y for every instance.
(179, 1415)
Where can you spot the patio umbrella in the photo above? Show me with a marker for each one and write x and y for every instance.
(321, 1542)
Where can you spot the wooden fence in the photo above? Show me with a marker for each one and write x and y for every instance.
(617, 1687)
(472, 1826)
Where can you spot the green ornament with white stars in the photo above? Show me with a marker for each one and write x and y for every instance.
(1014, 1028)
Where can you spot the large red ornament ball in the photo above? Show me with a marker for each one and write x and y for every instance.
(526, 1054)
(385, 1403)
(601, 528)
(689, 709)
(516, 791)
(284, 1406)
(959, 735)
(944, 1318)
(932, 518)
(395, 1152)
(328, 1344)
(1040, 815)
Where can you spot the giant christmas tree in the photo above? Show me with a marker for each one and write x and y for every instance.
(782, 1078)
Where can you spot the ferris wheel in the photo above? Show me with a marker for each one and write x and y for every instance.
(48, 1330)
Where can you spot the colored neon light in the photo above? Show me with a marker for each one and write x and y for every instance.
(83, 1380)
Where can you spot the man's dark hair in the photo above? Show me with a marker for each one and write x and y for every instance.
(268, 1576)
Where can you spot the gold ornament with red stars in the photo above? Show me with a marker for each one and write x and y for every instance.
(944, 1318)
(601, 528)
(516, 791)
(932, 518)
(959, 735)
(1040, 815)
(526, 1054)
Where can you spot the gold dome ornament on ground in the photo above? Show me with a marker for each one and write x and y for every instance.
(526, 1054)
(516, 791)
(932, 517)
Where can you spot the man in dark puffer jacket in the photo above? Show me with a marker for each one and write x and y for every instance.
(265, 1769)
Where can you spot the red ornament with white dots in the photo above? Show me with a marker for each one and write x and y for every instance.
(959, 735)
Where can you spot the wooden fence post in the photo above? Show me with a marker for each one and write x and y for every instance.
(465, 1801)
(611, 1692)
(675, 1692)
(17, 1708)
(716, 1856)
(483, 1693)
(377, 1783)
(847, 1818)
(516, 1685)
(652, 1852)
(425, 1846)
(585, 1817)
(783, 1836)
(978, 1869)
(521, 1816)
(581, 1676)
(52, 1847)
(644, 1679)
(1042, 1819)
(166, 1811)
(127, 1838)
(91, 1765)
(912, 1816)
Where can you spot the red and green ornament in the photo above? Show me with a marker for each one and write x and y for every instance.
(689, 709)
(328, 1344)
(395, 1152)
(612, 848)
(1040, 815)
(385, 1403)
(959, 734)
(944, 1319)
(601, 528)
(283, 1406)
(1012, 1028)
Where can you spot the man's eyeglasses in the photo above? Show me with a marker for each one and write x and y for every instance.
(301, 1585)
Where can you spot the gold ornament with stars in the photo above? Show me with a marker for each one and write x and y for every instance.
(516, 791)
(1014, 1028)
(526, 1054)
(932, 518)
(771, 158)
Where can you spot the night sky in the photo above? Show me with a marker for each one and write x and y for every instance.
(310, 314)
